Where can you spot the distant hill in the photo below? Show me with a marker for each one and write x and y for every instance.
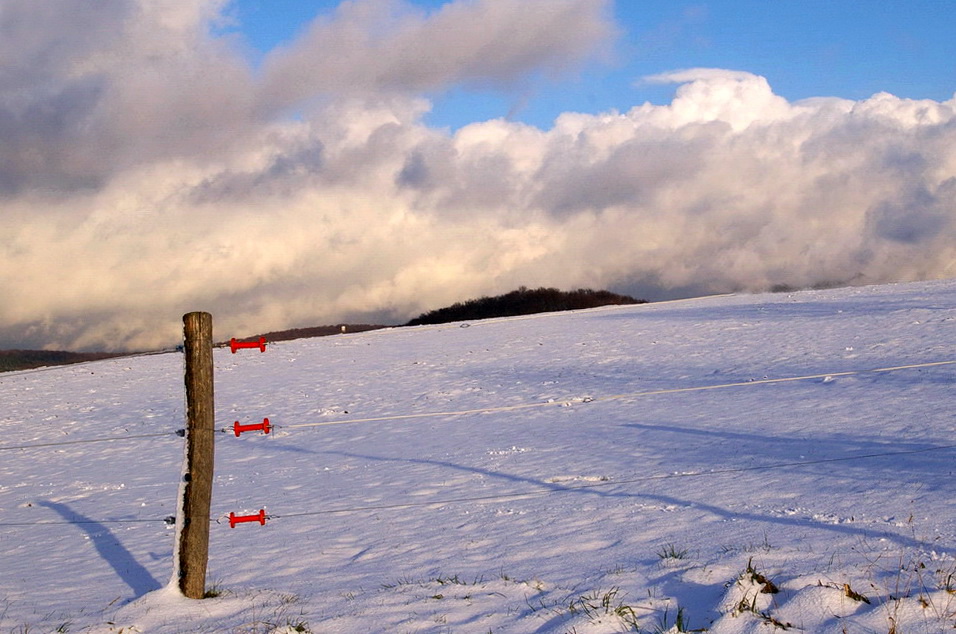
(314, 331)
(523, 302)
(11, 360)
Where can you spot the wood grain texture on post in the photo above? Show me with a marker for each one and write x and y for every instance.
(193, 540)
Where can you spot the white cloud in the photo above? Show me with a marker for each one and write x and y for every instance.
(375, 46)
(713, 94)
(148, 173)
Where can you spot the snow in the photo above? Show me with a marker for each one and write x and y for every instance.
(650, 467)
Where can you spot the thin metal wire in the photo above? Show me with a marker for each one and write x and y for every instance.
(87, 441)
(612, 397)
(67, 522)
(549, 491)
(519, 495)
(609, 483)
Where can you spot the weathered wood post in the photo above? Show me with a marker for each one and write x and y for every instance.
(192, 538)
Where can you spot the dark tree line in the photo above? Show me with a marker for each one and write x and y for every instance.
(11, 360)
(312, 331)
(523, 302)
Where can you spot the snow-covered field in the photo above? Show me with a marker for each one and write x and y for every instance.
(641, 468)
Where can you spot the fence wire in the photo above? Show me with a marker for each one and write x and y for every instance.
(556, 489)
(613, 397)
(516, 495)
(611, 483)
(64, 443)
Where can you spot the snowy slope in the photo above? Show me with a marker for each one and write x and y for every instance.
(649, 467)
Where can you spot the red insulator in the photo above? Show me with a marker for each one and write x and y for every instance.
(264, 427)
(239, 345)
(239, 519)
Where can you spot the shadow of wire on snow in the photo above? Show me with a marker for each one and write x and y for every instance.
(544, 488)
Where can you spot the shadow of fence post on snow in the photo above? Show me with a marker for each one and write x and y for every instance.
(133, 573)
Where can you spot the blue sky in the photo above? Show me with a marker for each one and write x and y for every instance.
(806, 48)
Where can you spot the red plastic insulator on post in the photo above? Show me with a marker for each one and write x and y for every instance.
(240, 345)
(264, 427)
(239, 519)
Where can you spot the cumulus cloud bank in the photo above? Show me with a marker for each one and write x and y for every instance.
(147, 169)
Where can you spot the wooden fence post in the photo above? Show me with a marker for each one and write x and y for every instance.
(192, 539)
